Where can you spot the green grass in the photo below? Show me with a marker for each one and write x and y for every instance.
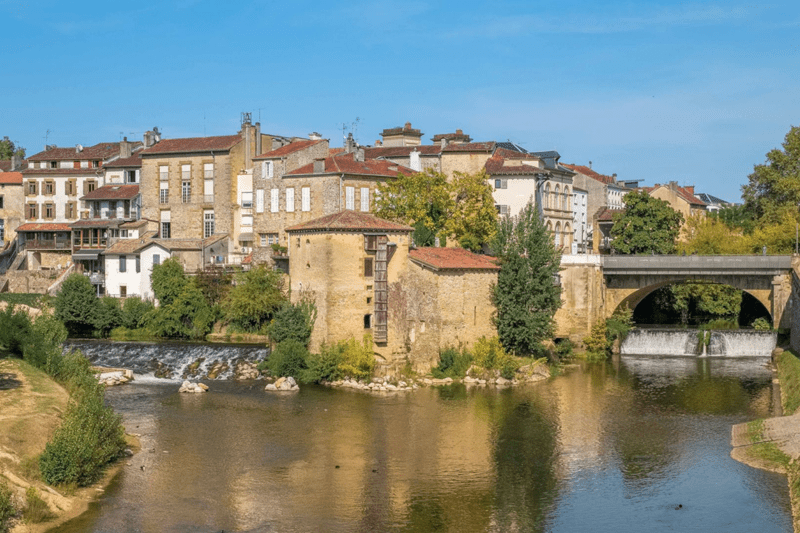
(766, 451)
(789, 376)
(29, 299)
(36, 509)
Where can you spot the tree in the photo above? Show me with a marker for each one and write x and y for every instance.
(187, 316)
(256, 295)
(648, 225)
(704, 235)
(706, 299)
(109, 315)
(8, 149)
(474, 219)
(422, 199)
(168, 281)
(76, 305)
(526, 296)
(736, 217)
(775, 185)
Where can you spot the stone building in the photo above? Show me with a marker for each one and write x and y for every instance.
(11, 206)
(681, 199)
(366, 279)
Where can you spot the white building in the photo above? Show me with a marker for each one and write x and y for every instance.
(580, 223)
(129, 265)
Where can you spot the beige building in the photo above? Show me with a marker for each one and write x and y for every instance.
(11, 206)
(366, 279)
(681, 199)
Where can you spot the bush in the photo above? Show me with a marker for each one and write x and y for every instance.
(257, 294)
(762, 324)
(36, 509)
(76, 305)
(597, 343)
(109, 315)
(43, 348)
(564, 349)
(7, 510)
(358, 359)
(134, 311)
(90, 437)
(487, 353)
(293, 321)
(15, 327)
(288, 359)
(619, 325)
(324, 366)
(452, 363)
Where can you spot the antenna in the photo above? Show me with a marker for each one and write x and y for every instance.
(354, 127)
(344, 133)
(46, 135)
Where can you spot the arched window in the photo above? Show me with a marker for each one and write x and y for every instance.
(556, 203)
(546, 196)
(567, 238)
(565, 200)
(549, 227)
(558, 234)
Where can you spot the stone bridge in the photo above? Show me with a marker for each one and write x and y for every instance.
(595, 286)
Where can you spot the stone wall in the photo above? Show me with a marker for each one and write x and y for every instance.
(29, 281)
(464, 162)
(581, 296)
(12, 211)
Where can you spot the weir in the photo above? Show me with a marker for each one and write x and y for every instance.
(168, 359)
(686, 342)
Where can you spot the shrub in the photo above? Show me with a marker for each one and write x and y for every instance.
(36, 509)
(452, 363)
(619, 325)
(358, 359)
(324, 366)
(720, 323)
(762, 324)
(76, 305)
(564, 349)
(109, 316)
(43, 348)
(134, 311)
(597, 343)
(487, 353)
(288, 359)
(293, 321)
(257, 294)
(15, 327)
(90, 437)
(508, 366)
(7, 510)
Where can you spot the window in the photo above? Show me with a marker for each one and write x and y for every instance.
(367, 321)
(208, 223)
(2, 229)
(49, 188)
(70, 210)
(266, 169)
(186, 191)
(130, 176)
(165, 230)
(156, 259)
(350, 198)
(95, 164)
(370, 242)
(247, 200)
(268, 239)
(33, 211)
(32, 188)
(138, 264)
(365, 199)
(208, 191)
(70, 187)
(163, 197)
(290, 200)
(263, 239)
(306, 198)
(208, 171)
(501, 184)
(259, 200)
(123, 291)
(247, 220)
(273, 201)
(123, 263)
(186, 172)
(53, 164)
(124, 234)
(1, 202)
(163, 173)
(89, 186)
(368, 267)
(501, 209)
(49, 211)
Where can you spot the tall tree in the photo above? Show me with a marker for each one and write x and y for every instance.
(774, 186)
(256, 296)
(76, 305)
(526, 296)
(474, 219)
(648, 225)
(168, 281)
(705, 235)
(7, 149)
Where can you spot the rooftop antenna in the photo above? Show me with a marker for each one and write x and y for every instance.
(46, 135)
(344, 134)
(354, 127)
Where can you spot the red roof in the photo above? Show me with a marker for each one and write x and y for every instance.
(47, 226)
(290, 148)
(61, 171)
(113, 192)
(586, 171)
(346, 164)
(5, 166)
(501, 163)
(401, 151)
(350, 221)
(98, 151)
(11, 178)
(606, 214)
(682, 192)
(193, 144)
(335, 151)
(487, 146)
(133, 161)
(453, 259)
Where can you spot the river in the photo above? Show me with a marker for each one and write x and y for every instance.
(637, 444)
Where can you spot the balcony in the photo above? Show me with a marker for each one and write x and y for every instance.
(49, 244)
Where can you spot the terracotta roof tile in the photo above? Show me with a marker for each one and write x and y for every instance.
(335, 151)
(130, 246)
(457, 136)
(11, 178)
(98, 151)
(62, 171)
(350, 221)
(113, 192)
(506, 162)
(487, 146)
(682, 192)
(193, 144)
(5, 165)
(401, 151)
(453, 259)
(346, 164)
(96, 223)
(402, 130)
(586, 171)
(46, 226)
(606, 214)
(290, 148)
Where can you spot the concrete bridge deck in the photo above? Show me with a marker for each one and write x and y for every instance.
(700, 265)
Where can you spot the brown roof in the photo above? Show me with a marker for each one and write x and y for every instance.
(452, 259)
(129, 246)
(404, 130)
(682, 192)
(98, 151)
(134, 224)
(5, 165)
(11, 178)
(346, 164)
(132, 161)
(62, 171)
(588, 172)
(193, 144)
(457, 136)
(350, 221)
(335, 151)
(501, 163)
(401, 151)
(46, 226)
(606, 214)
(290, 148)
(113, 192)
(487, 146)
(96, 223)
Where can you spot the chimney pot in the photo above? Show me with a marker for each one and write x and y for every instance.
(459, 132)
(408, 126)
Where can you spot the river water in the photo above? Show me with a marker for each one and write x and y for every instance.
(638, 444)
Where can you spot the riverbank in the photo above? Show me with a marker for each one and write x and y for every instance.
(31, 409)
(774, 443)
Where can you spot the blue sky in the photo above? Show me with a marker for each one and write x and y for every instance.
(657, 91)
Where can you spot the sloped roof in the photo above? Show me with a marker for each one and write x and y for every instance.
(401, 151)
(113, 192)
(193, 144)
(96, 223)
(5, 165)
(132, 161)
(347, 164)
(711, 199)
(11, 178)
(129, 246)
(63, 171)
(606, 214)
(347, 220)
(681, 192)
(290, 148)
(46, 226)
(487, 146)
(98, 151)
(588, 172)
(452, 259)
(457, 136)
(509, 162)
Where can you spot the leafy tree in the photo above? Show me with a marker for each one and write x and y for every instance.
(705, 235)
(109, 315)
(736, 217)
(474, 219)
(15, 328)
(288, 359)
(258, 293)
(774, 186)
(215, 283)
(648, 225)
(294, 321)
(777, 234)
(134, 312)
(706, 300)
(8, 149)
(525, 295)
(76, 305)
(188, 316)
(168, 281)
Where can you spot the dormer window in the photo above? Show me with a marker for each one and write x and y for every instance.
(53, 164)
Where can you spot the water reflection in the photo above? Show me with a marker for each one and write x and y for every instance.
(613, 446)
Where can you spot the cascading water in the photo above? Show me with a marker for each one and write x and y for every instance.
(723, 343)
(171, 360)
(742, 343)
(660, 342)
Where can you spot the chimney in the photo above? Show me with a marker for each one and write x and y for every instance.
(314, 136)
(673, 185)
(444, 142)
(590, 164)
(349, 144)
(415, 163)
(359, 154)
(258, 138)
(319, 166)
(124, 148)
(459, 132)
(690, 188)
(407, 126)
(78, 148)
(14, 162)
(148, 139)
